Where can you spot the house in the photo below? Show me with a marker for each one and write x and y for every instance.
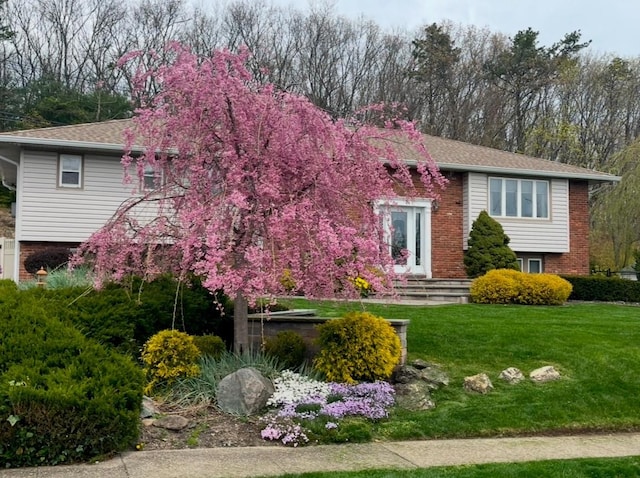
(69, 181)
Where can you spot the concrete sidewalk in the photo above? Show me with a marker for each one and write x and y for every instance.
(274, 461)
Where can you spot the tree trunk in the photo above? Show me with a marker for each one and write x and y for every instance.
(240, 324)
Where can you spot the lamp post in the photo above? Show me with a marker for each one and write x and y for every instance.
(41, 278)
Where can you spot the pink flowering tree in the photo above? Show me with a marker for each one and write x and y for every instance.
(257, 192)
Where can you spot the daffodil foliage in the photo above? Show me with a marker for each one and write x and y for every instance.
(256, 191)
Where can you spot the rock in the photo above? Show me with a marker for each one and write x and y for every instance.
(172, 422)
(244, 392)
(414, 396)
(147, 422)
(544, 374)
(149, 408)
(434, 376)
(479, 383)
(512, 375)
(406, 374)
(420, 364)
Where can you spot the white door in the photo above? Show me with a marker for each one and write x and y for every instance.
(410, 238)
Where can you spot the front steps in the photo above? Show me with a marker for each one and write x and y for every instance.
(450, 291)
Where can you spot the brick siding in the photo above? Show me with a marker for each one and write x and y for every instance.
(576, 261)
(27, 248)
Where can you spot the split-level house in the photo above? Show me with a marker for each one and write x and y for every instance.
(69, 181)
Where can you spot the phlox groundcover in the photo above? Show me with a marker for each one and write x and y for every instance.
(308, 410)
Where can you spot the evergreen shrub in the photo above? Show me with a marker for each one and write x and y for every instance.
(605, 289)
(209, 345)
(488, 248)
(168, 355)
(288, 347)
(504, 286)
(357, 347)
(126, 316)
(63, 397)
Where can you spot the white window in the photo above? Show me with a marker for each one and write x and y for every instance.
(70, 171)
(149, 178)
(535, 266)
(518, 198)
(532, 265)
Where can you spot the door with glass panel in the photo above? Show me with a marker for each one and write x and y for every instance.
(407, 234)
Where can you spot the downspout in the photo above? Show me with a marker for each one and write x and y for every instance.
(16, 252)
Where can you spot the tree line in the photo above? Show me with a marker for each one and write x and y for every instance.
(59, 65)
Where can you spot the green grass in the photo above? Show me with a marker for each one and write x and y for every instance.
(594, 346)
(592, 468)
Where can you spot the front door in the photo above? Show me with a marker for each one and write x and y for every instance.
(409, 229)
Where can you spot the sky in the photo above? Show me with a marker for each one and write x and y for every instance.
(613, 26)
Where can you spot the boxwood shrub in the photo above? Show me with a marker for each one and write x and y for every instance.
(602, 288)
(505, 286)
(63, 397)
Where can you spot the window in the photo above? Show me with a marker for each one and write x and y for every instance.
(70, 171)
(532, 265)
(518, 198)
(535, 266)
(149, 178)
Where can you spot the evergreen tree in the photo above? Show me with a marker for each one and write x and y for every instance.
(488, 247)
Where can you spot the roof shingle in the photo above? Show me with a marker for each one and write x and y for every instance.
(449, 154)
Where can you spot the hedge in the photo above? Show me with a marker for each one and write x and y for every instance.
(601, 288)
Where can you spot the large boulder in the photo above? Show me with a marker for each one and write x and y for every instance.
(244, 392)
(414, 382)
(414, 396)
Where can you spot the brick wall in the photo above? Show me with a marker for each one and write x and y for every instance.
(447, 231)
(576, 261)
(29, 247)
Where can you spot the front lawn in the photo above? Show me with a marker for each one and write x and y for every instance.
(583, 468)
(594, 346)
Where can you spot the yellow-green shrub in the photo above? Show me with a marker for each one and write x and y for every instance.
(357, 347)
(168, 355)
(544, 289)
(498, 286)
(502, 286)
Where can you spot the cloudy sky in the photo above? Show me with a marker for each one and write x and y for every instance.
(612, 25)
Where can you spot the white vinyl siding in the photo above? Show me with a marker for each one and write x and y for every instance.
(531, 234)
(50, 213)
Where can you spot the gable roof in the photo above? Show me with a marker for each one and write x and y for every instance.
(450, 155)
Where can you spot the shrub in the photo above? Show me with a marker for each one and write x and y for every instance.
(168, 355)
(357, 347)
(49, 258)
(498, 286)
(488, 248)
(126, 316)
(543, 289)
(209, 345)
(607, 289)
(289, 347)
(503, 286)
(63, 397)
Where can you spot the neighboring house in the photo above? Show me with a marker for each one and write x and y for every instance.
(69, 181)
